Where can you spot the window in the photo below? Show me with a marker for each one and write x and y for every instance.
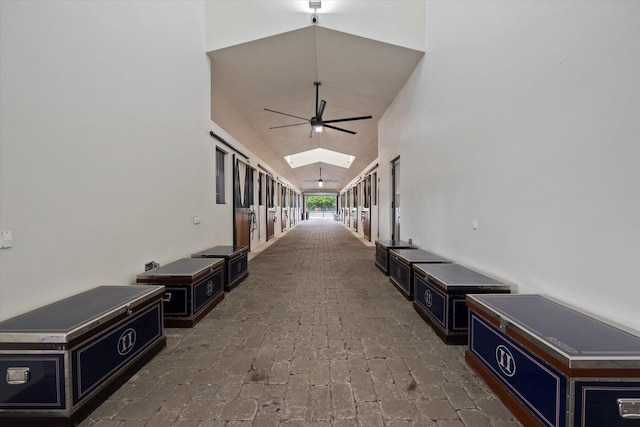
(220, 197)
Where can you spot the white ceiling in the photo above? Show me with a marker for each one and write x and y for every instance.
(358, 77)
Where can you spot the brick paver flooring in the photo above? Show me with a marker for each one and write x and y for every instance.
(315, 336)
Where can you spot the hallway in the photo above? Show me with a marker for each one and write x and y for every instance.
(315, 336)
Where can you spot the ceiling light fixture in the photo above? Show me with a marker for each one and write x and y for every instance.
(320, 183)
(318, 128)
(315, 4)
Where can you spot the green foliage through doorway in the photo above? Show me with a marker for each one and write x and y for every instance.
(322, 202)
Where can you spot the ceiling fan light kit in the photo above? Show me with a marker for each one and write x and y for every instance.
(321, 181)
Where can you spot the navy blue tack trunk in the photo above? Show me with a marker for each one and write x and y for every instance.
(553, 365)
(382, 252)
(59, 362)
(401, 263)
(194, 286)
(440, 297)
(236, 264)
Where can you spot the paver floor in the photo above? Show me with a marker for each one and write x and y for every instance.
(315, 336)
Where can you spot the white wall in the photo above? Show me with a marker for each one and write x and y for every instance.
(231, 22)
(525, 116)
(104, 148)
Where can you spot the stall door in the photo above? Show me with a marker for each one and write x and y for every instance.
(271, 210)
(242, 200)
(284, 209)
(366, 209)
(354, 210)
(395, 204)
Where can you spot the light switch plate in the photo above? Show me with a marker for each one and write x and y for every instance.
(6, 239)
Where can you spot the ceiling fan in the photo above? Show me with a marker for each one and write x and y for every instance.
(316, 122)
(320, 181)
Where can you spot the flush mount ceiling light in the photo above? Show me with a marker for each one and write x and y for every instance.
(315, 4)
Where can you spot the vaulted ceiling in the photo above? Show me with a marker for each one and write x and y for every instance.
(357, 76)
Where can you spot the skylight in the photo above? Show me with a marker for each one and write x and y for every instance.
(319, 155)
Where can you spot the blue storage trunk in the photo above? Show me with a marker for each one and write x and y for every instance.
(553, 365)
(236, 264)
(401, 263)
(382, 252)
(194, 286)
(59, 362)
(440, 295)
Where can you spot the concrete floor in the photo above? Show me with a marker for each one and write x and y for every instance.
(315, 336)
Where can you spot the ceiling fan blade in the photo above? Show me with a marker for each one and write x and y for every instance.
(340, 129)
(285, 114)
(287, 126)
(350, 119)
(323, 103)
